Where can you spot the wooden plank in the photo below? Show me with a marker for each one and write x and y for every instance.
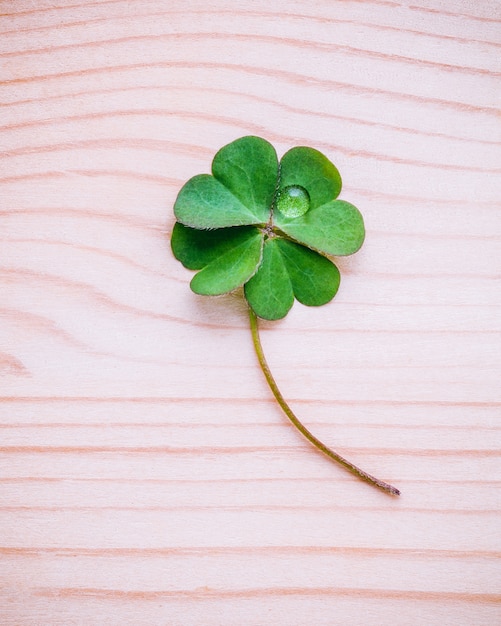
(146, 475)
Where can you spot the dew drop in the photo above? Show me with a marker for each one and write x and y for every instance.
(293, 201)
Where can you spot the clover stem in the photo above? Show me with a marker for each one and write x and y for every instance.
(380, 484)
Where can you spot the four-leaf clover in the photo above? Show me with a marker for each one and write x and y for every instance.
(266, 225)
(270, 227)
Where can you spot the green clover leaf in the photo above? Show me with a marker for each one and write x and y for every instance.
(239, 192)
(289, 270)
(267, 226)
(227, 258)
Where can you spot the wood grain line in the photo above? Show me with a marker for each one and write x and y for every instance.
(258, 99)
(265, 39)
(221, 399)
(10, 364)
(387, 3)
(159, 145)
(238, 424)
(294, 78)
(233, 450)
(93, 251)
(100, 296)
(265, 14)
(58, 175)
(165, 551)
(441, 11)
(196, 481)
(245, 507)
(138, 222)
(211, 594)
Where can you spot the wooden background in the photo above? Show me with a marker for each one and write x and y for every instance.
(146, 475)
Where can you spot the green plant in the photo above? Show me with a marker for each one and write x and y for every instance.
(268, 226)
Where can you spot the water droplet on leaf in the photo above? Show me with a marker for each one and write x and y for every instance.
(293, 201)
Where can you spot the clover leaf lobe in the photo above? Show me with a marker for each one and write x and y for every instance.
(269, 292)
(312, 170)
(248, 168)
(335, 228)
(314, 278)
(226, 258)
(204, 202)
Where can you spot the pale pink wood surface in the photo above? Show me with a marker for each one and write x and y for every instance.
(146, 476)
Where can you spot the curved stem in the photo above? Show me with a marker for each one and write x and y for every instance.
(386, 487)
